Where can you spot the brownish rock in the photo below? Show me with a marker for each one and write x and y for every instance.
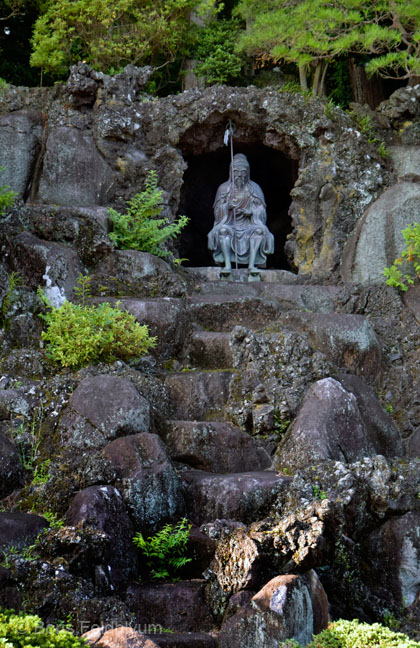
(339, 419)
(146, 479)
(102, 408)
(121, 637)
(215, 446)
(244, 496)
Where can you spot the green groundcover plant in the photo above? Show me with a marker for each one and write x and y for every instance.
(27, 631)
(7, 196)
(78, 334)
(166, 549)
(352, 634)
(140, 228)
(404, 269)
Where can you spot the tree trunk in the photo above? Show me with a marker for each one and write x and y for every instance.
(303, 80)
(365, 90)
(317, 79)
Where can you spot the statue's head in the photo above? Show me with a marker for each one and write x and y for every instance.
(240, 170)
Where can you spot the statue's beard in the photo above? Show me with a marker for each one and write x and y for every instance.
(240, 183)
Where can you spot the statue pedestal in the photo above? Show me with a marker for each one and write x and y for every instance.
(216, 273)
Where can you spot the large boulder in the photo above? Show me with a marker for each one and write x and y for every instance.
(102, 408)
(339, 419)
(20, 143)
(147, 480)
(282, 609)
(378, 240)
(74, 173)
(102, 507)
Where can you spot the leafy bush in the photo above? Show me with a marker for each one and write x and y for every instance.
(352, 634)
(27, 631)
(7, 196)
(215, 50)
(166, 549)
(409, 260)
(140, 228)
(78, 334)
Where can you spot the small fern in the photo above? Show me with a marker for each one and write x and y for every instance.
(140, 228)
(166, 549)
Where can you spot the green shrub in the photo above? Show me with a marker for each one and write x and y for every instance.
(27, 631)
(352, 634)
(78, 334)
(140, 228)
(401, 274)
(166, 549)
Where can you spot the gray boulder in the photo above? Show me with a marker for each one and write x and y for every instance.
(377, 240)
(20, 142)
(102, 408)
(339, 419)
(282, 609)
(74, 173)
(147, 480)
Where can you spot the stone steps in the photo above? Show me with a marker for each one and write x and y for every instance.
(210, 350)
(198, 395)
(183, 640)
(178, 606)
(214, 446)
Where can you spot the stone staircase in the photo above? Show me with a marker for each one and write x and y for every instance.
(226, 472)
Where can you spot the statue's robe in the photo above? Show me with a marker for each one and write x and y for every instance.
(241, 229)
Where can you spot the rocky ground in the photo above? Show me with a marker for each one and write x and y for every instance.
(280, 417)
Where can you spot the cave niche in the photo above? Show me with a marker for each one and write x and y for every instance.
(276, 174)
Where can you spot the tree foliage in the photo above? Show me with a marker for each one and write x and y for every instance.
(110, 35)
(313, 34)
(215, 51)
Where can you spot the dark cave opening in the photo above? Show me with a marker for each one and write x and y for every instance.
(271, 169)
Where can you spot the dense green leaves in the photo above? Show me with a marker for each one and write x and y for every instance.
(215, 51)
(27, 631)
(140, 227)
(401, 274)
(352, 634)
(78, 334)
(311, 33)
(112, 34)
(165, 551)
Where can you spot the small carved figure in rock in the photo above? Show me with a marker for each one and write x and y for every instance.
(240, 232)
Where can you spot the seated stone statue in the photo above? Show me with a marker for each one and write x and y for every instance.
(239, 230)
